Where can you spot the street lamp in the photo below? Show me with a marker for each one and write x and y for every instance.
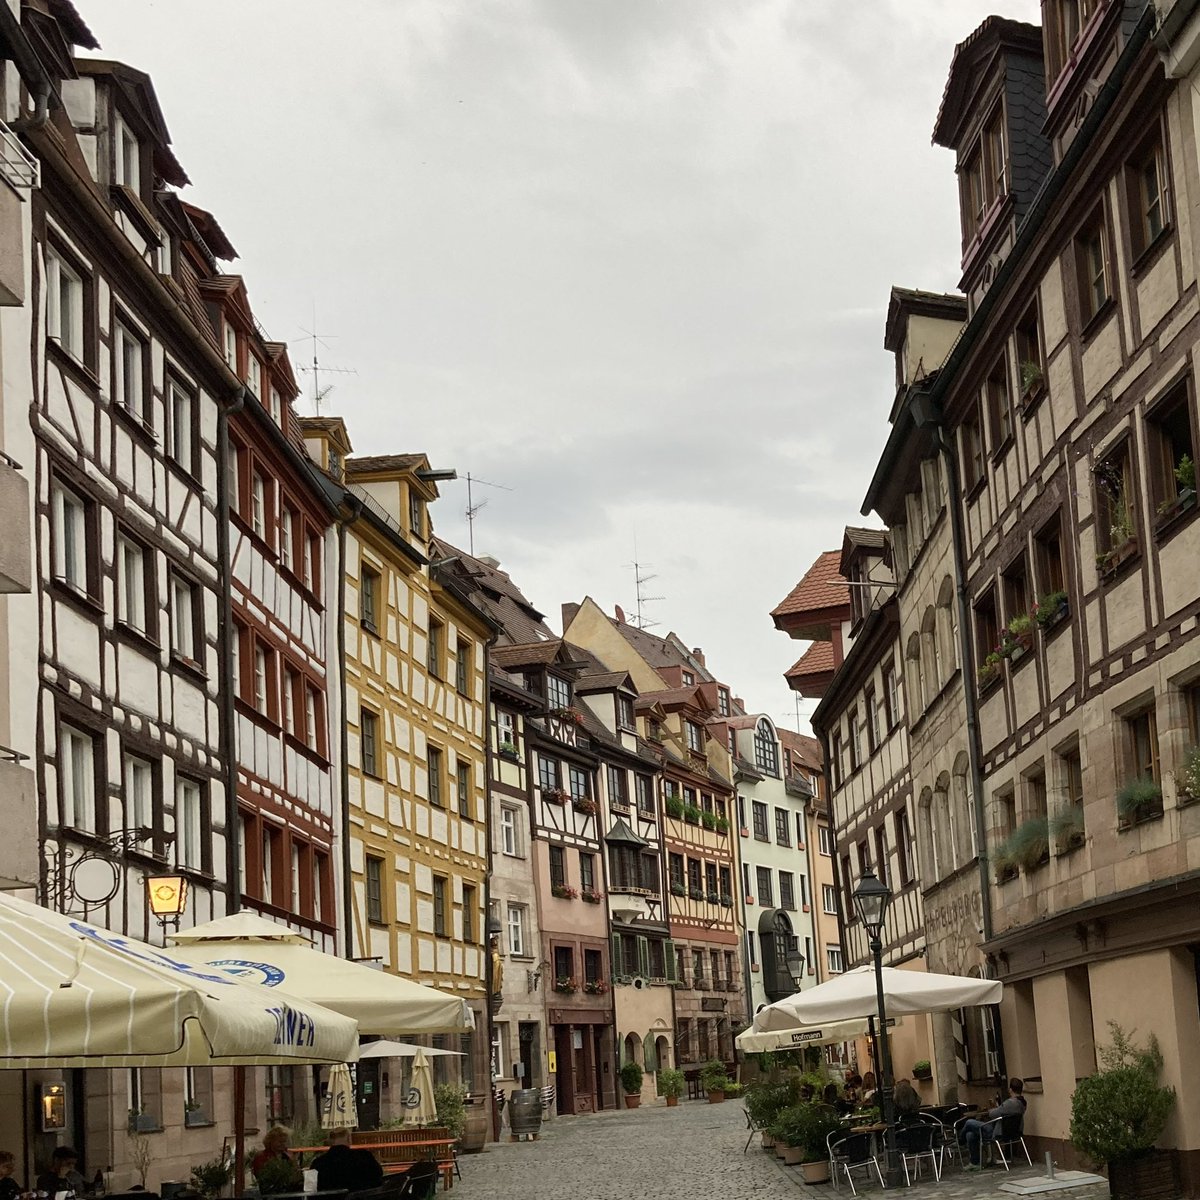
(871, 900)
(167, 897)
(795, 965)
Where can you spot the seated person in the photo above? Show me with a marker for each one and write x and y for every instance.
(1011, 1114)
(275, 1143)
(342, 1166)
(906, 1101)
(63, 1175)
(10, 1189)
(870, 1095)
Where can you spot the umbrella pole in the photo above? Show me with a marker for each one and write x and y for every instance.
(239, 1130)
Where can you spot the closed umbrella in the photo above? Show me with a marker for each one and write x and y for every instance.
(254, 948)
(853, 995)
(419, 1108)
(339, 1109)
(75, 995)
(754, 1042)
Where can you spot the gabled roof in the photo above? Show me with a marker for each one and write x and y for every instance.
(386, 464)
(947, 306)
(820, 600)
(528, 654)
(604, 681)
(622, 835)
(810, 674)
(669, 697)
(806, 749)
(209, 232)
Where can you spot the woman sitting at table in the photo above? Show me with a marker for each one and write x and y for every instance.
(870, 1096)
(275, 1145)
(906, 1102)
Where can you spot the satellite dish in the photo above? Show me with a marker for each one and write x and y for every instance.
(95, 880)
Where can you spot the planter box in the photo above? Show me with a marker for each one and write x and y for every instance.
(793, 1156)
(196, 1116)
(1152, 1176)
(815, 1172)
(716, 1097)
(632, 1099)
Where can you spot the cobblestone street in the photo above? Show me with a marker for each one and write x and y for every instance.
(692, 1152)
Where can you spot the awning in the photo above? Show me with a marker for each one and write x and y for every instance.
(752, 1042)
(386, 1049)
(251, 947)
(75, 995)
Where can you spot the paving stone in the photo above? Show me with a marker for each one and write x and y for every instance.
(692, 1152)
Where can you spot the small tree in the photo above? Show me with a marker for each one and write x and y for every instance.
(450, 1100)
(141, 1155)
(1120, 1112)
(631, 1078)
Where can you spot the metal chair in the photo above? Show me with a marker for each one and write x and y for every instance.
(750, 1125)
(1011, 1134)
(921, 1139)
(852, 1152)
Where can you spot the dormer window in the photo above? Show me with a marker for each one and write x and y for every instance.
(984, 174)
(723, 701)
(558, 693)
(416, 513)
(688, 679)
(625, 713)
(1065, 25)
(276, 406)
(254, 376)
(766, 752)
(695, 737)
(126, 157)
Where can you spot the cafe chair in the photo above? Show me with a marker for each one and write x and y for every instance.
(1010, 1137)
(852, 1152)
(919, 1141)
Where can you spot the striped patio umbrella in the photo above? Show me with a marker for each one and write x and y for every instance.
(339, 1109)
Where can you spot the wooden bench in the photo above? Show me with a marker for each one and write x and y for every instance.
(398, 1149)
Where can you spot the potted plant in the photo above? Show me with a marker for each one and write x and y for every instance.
(677, 888)
(631, 1084)
(1187, 778)
(194, 1115)
(670, 1085)
(211, 1178)
(708, 819)
(595, 987)
(279, 1175)
(989, 669)
(674, 806)
(733, 1090)
(563, 891)
(554, 795)
(1029, 845)
(583, 804)
(508, 749)
(1019, 634)
(1051, 608)
(726, 900)
(1004, 862)
(565, 984)
(722, 824)
(1031, 377)
(591, 896)
(802, 1130)
(696, 893)
(691, 814)
(713, 1080)
(1067, 827)
(1118, 1114)
(713, 897)
(1138, 800)
(450, 1103)
(923, 1069)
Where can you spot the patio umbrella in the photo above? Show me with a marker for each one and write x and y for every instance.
(419, 1108)
(254, 948)
(386, 1049)
(75, 995)
(339, 1109)
(752, 1041)
(853, 995)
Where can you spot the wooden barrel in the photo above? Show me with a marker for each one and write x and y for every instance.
(475, 1129)
(525, 1111)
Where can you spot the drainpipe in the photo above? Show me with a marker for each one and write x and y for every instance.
(352, 510)
(837, 877)
(489, 979)
(233, 833)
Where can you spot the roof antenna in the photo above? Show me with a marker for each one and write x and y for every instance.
(473, 508)
(320, 393)
(639, 581)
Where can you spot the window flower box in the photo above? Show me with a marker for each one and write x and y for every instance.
(696, 893)
(708, 820)
(508, 750)
(554, 796)
(1139, 800)
(674, 807)
(691, 814)
(722, 825)
(583, 804)
(592, 897)
(1187, 779)
(989, 671)
(726, 900)
(566, 985)
(1051, 610)
(563, 891)
(1109, 562)
(569, 714)
(713, 897)
(595, 987)
(678, 889)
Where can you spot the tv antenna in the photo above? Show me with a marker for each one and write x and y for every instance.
(315, 369)
(639, 581)
(473, 507)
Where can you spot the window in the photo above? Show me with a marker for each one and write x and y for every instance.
(760, 821)
(294, 876)
(998, 407)
(233, 476)
(675, 869)
(126, 168)
(983, 178)
(558, 867)
(70, 519)
(689, 679)
(510, 831)
(433, 758)
(904, 857)
(558, 693)
(710, 878)
(258, 505)
(440, 928)
(516, 929)
(1172, 450)
(374, 890)
(320, 884)
(77, 778)
(882, 857)
(723, 701)
(64, 305)
(463, 788)
(462, 668)
(783, 827)
(1092, 267)
(1191, 698)
(1030, 369)
(437, 632)
(1067, 20)
(506, 731)
(185, 614)
(291, 689)
(564, 963)
(1148, 187)
(368, 726)
(547, 773)
(270, 852)
(587, 872)
(593, 966)
(230, 346)
(254, 376)
(190, 832)
(854, 739)
(891, 696)
(835, 758)
(825, 840)
(261, 661)
(579, 783)
(787, 890)
(138, 780)
(129, 373)
(974, 467)
(833, 960)
(829, 899)
(368, 599)
(695, 875)
(766, 894)
(618, 787)
(1048, 560)
(181, 442)
(275, 406)
(1016, 590)
(625, 717)
(1116, 524)
(695, 737)
(416, 513)
(987, 625)
(1141, 733)
(312, 564)
(133, 597)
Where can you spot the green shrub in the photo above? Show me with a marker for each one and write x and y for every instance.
(1121, 1111)
(733, 1090)
(450, 1099)
(211, 1178)
(631, 1078)
(806, 1126)
(674, 806)
(713, 1077)
(766, 1099)
(671, 1082)
(921, 1066)
(1137, 797)
(279, 1175)
(1029, 844)
(1067, 827)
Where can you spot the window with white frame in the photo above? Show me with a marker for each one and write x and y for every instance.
(126, 157)
(254, 376)
(77, 777)
(290, 684)
(833, 960)
(231, 347)
(129, 373)
(64, 304)
(276, 406)
(829, 899)
(558, 692)
(510, 831)
(131, 583)
(825, 840)
(695, 737)
(181, 445)
(311, 718)
(183, 618)
(766, 750)
(258, 505)
(506, 729)
(138, 781)
(68, 514)
(516, 929)
(189, 823)
(260, 678)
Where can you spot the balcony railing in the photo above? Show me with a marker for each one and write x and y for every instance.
(19, 167)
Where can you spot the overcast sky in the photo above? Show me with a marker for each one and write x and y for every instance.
(628, 258)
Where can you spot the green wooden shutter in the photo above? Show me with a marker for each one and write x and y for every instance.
(651, 1058)
(616, 964)
(669, 951)
(643, 957)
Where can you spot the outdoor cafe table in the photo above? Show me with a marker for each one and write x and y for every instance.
(443, 1155)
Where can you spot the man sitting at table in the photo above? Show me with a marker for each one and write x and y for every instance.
(1007, 1117)
(342, 1166)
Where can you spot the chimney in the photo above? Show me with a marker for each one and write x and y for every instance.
(620, 614)
(489, 561)
(698, 655)
(568, 615)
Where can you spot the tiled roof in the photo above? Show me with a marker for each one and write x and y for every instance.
(821, 587)
(816, 660)
(601, 681)
(526, 654)
(381, 464)
(657, 651)
(667, 696)
(873, 539)
(804, 748)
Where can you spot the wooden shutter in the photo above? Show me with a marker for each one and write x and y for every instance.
(643, 957)
(669, 951)
(651, 1058)
(616, 964)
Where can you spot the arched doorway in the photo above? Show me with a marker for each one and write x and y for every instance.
(633, 1049)
(775, 939)
(662, 1052)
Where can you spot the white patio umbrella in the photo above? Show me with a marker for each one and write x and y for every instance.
(339, 1110)
(853, 995)
(252, 947)
(75, 995)
(753, 1042)
(388, 1049)
(419, 1108)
